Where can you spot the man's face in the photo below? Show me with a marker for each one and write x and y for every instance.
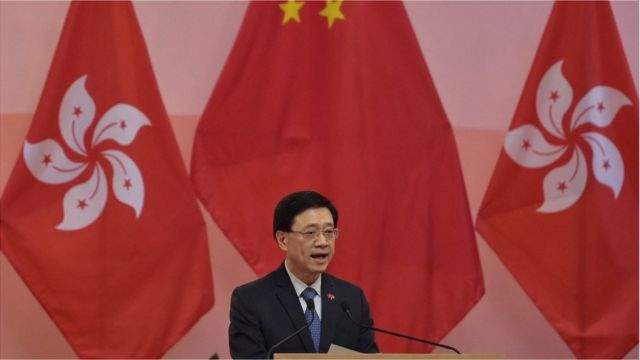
(308, 258)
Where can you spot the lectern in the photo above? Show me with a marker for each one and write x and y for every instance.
(382, 356)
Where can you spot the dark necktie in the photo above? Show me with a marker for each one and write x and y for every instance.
(308, 294)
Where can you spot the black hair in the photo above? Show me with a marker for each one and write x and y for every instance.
(296, 203)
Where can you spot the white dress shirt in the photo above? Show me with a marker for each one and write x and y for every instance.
(299, 286)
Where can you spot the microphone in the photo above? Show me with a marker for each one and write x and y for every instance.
(311, 306)
(347, 309)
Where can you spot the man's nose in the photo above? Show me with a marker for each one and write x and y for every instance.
(321, 240)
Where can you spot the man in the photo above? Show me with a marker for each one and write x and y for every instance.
(266, 311)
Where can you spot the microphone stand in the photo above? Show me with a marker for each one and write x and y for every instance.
(347, 309)
(311, 306)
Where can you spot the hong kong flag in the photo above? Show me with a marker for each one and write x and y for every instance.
(98, 216)
(561, 210)
(336, 97)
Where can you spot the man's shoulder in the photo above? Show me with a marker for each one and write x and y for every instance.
(258, 285)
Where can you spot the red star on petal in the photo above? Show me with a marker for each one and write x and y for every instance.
(601, 106)
(554, 96)
(606, 165)
(123, 124)
(82, 203)
(562, 186)
(526, 144)
(127, 184)
(77, 111)
(46, 160)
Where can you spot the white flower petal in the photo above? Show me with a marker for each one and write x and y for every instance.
(77, 111)
(527, 146)
(47, 161)
(127, 184)
(121, 124)
(553, 98)
(564, 185)
(599, 107)
(83, 203)
(607, 163)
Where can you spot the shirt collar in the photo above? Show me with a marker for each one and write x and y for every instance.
(299, 285)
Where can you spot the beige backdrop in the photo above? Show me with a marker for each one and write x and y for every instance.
(188, 44)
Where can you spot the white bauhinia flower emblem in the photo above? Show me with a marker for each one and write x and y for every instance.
(47, 161)
(528, 147)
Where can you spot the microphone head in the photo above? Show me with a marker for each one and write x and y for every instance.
(345, 306)
(310, 304)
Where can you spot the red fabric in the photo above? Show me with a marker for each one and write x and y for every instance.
(349, 111)
(132, 282)
(579, 262)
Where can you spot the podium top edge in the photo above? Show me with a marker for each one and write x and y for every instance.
(382, 356)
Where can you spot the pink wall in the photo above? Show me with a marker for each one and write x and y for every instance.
(188, 44)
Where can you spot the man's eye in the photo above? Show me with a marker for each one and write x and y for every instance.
(308, 233)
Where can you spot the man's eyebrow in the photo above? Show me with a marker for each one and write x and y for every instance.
(315, 225)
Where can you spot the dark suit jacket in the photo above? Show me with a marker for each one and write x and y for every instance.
(267, 310)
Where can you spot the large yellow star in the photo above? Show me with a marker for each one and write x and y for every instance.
(332, 11)
(291, 11)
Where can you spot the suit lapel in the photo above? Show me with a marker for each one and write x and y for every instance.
(287, 296)
(330, 312)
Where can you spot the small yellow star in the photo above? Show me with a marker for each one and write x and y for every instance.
(291, 10)
(332, 11)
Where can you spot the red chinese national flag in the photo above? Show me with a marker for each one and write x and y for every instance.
(98, 216)
(336, 97)
(561, 210)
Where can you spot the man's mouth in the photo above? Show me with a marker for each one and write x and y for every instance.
(320, 256)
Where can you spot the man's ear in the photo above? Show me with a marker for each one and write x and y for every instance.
(281, 238)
